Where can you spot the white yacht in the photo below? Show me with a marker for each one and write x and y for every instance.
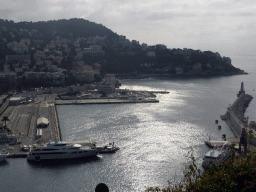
(61, 150)
(216, 156)
(3, 155)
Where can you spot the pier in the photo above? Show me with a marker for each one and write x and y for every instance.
(103, 101)
(234, 115)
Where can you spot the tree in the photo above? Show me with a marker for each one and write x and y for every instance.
(5, 118)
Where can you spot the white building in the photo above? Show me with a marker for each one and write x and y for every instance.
(15, 101)
(151, 54)
(42, 122)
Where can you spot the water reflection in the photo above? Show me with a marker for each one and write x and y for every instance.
(62, 163)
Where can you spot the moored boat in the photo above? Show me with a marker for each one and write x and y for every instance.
(110, 148)
(216, 156)
(61, 150)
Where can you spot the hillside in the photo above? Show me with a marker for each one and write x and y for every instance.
(75, 27)
(79, 51)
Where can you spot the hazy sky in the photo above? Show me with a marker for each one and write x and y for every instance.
(224, 26)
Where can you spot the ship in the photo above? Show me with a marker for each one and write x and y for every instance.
(61, 150)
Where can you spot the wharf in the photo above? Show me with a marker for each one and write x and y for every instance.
(103, 101)
(23, 123)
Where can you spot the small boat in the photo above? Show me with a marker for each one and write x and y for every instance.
(3, 155)
(216, 156)
(110, 148)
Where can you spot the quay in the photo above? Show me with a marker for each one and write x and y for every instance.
(23, 117)
(102, 101)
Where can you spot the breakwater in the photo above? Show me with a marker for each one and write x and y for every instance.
(234, 115)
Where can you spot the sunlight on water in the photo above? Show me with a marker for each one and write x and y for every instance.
(154, 138)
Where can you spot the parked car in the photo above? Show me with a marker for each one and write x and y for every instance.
(15, 143)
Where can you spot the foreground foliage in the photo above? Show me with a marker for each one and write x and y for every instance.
(237, 174)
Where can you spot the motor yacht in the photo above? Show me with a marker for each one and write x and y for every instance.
(61, 150)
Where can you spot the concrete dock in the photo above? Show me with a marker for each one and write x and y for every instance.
(23, 123)
(102, 101)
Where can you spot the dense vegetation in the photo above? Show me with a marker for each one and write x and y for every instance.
(74, 27)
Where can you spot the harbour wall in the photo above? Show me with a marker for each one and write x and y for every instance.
(234, 123)
(234, 116)
(231, 118)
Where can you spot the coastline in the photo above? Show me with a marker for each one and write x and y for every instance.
(185, 76)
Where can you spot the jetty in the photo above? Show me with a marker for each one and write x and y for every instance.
(234, 115)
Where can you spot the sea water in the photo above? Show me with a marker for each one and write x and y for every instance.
(154, 138)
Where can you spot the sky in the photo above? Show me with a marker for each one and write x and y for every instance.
(224, 26)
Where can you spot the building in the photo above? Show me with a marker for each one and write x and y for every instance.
(57, 59)
(39, 55)
(39, 62)
(18, 47)
(42, 122)
(93, 50)
(151, 54)
(7, 138)
(6, 68)
(7, 77)
(15, 101)
(18, 70)
(25, 66)
(25, 41)
(23, 58)
(108, 84)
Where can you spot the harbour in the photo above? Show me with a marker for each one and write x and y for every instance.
(154, 138)
(23, 118)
